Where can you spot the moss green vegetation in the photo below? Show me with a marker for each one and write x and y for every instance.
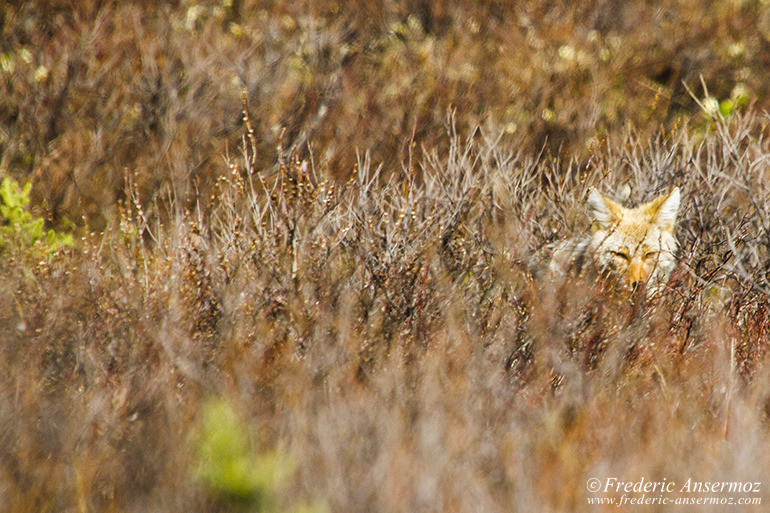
(232, 470)
(20, 230)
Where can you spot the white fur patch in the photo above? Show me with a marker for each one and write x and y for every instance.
(669, 209)
(599, 210)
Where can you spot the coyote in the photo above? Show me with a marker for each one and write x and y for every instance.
(636, 246)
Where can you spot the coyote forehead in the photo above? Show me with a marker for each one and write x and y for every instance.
(635, 245)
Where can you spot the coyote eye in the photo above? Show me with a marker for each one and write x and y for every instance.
(650, 255)
(620, 255)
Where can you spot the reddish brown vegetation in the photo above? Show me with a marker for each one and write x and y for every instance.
(355, 288)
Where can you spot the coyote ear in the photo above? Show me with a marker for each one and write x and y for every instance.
(602, 210)
(663, 210)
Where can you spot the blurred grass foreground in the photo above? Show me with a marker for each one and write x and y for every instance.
(271, 256)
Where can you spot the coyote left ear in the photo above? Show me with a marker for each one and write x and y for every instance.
(663, 210)
(602, 210)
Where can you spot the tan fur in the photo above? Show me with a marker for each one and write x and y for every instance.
(635, 245)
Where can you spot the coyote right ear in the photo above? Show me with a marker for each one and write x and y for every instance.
(663, 209)
(602, 210)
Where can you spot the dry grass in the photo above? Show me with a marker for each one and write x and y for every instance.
(362, 303)
(388, 335)
(91, 89)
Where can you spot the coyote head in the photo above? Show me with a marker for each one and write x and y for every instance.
(637, 245)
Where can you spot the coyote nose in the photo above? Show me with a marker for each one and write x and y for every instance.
(635, 275)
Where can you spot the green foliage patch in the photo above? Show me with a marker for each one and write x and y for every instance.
(231, 470)
(20, 230)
